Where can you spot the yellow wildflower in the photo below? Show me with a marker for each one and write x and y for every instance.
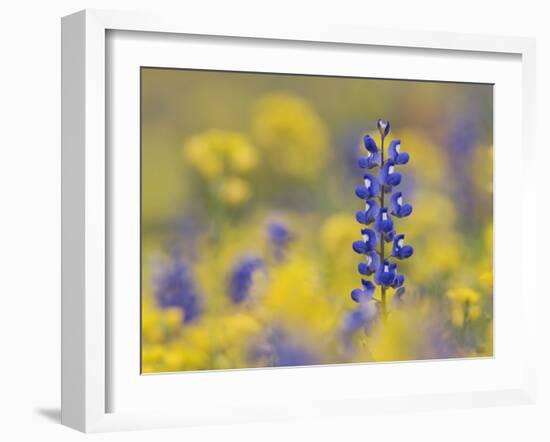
(338, 232)
(235, 191)
(292, 135)
(215, 152)
(463, 294)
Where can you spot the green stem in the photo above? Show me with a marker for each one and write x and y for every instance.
(465, 316)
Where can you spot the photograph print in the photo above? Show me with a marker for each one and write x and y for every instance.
(302, 220)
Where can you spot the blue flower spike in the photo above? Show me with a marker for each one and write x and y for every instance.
(397, 207)
(381, 203)
(395, 154)
(399, 250)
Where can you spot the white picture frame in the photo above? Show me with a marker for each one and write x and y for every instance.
(88, 206)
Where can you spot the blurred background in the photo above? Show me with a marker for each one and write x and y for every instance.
(248, 216)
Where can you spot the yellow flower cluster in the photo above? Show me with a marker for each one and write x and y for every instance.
(291, 134)
(220, 157)
(465, 305)
(218, 342)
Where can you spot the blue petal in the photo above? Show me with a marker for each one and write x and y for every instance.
(402, 158)
(358, 295)
(396, 241)
(363, 268)
(394, 205)
(362, 192)
(397, 299)
(361, 217)
(375, 260)
(385, 277)
(368, 268)
(370, 144)
(383, 225)
(368, 287)
(370, 242)
(393, 179)
(392, 149)
(398, 210)
(387, 178)
(354, 321)
(363, 162)
(394, 154)
(374, 187)
(383, 126)
(359, 246)
(406, 210)
(398, 281)
(406, 252)
(373, 160)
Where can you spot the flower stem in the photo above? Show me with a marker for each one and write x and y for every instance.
(382, 288)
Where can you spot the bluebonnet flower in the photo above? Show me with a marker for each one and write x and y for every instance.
(388, 176)
(364, 294)
(441, 344)
(241, 278)
(355, 320)
(363, 317)
(368, 215)
(377, 262)
(395, 154)
(173, 287)
(372, 261)
(373, 157)
(279, 349)
(384, 127)
(385, 274)
(368, 244)
(397, 299)
(462, 141)
(280, 237)
(397, 208)
(370, 144)
(384, 224)
(370, 189)
(399, 250)
(398, 281)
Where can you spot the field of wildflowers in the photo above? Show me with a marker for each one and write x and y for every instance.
(300, 220)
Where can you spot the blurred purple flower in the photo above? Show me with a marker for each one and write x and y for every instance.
(281, 350)
(173, 287)
(241, 278)
(461, 142)
(279, 237)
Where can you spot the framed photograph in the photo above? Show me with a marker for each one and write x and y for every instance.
(264, 222)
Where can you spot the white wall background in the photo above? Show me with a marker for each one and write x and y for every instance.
(30, 219)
